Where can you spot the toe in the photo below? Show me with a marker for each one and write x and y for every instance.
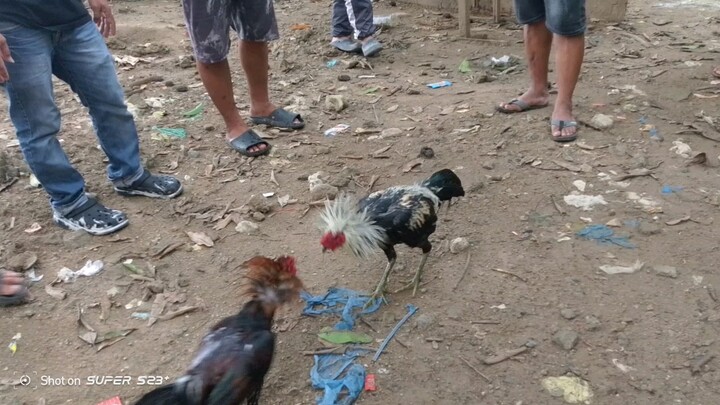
(8, 290)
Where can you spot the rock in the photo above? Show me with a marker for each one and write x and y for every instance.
(566, 338)
(181, 88)
(592, 323)
(343, 178)
(390, 132)
(424, 321)
(318, 178)
(615, 223)
(323, 191)
(258, 216)
(21, 262)
(459, 245)
(648, 228)
(602, 121)
(344, 78)
(630, 108)
(113, 292)
(247, 227)
(186, 61)
(335, 103)
(488, 165)
(666, 271)
(427, 152)
(260, 204)
(568, 313)
(209, 128)
(183, 282)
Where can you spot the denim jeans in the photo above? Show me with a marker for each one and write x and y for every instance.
(80, 58)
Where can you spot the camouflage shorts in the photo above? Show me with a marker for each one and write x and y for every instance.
(209, 23)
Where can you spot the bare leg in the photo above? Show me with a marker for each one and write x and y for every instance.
(380, 290)
(569, 55)
(415, 283)
(218, 83)
(538, 42)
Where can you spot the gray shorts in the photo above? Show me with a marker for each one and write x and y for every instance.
(562, 17)
(209, 23)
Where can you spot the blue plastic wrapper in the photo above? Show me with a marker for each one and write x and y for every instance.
(604, 236)
(339, 377)
(341, 301)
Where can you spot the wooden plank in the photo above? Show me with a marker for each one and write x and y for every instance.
(464, 17)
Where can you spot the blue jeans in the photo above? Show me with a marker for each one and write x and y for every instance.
(562, 17)
(80, 58)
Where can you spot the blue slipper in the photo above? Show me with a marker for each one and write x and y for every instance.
(246, 141)
(347, 45)
(371, 48)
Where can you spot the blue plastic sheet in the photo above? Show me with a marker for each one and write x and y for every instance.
(341, 379)
(343, 301)
(604, 236)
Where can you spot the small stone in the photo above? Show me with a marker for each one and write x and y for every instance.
(666, 271)
(615, 223)
(592, 323)
(602, 121)
(183, 282)
(488, 165)
(258, 216)
(28, 314)
(209, 128)
(390, 132)
(427, 152)
(260, 204)
(459, 245)
(335, 103)
(186, 61)
(113, 292)
(648, 228)
(169, 83)
(568, 313)
(344, 78)
(247, 227)
(566, 338)
(21, 262)
(181, 88)
(424, 321)
(413, 92)
(531, 343)
(323, 191)
(630, 108)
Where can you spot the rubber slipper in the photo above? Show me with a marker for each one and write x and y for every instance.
(716, 72)
(247, 140)
(280, 118)
(523, 107)
(347, 45)
(560, 124)
(18, 298)
(371, 48)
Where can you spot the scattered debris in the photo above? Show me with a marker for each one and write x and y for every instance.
(666, 271)
(585, 202)
(505, 356)
(604, 235)
(344, 337)
(459, 245)
(566, 338)
(89, 269)
(572, 390)
(336, 130)
(637, 266)
(601, 122)
(411, 310)
(200, 238)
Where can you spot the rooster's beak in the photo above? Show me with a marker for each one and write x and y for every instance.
(324, 249)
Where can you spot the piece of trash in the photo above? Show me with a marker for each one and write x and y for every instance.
(604, 236)
(155, 102)
(56, 293)
(465, 66)
(586, 202)
(681, 148)
(268, 195)
(284, 200)
(437, 85)
(580, 185)
(370, 383)
(112, 401)
(572, 390)
(13, 343)
(33, 228)
(501, 61)
(89, 269)
(195, 112)
(300, 27)
(134, 303)
(344, 337)
(501, 306)
(200, 239)
(411, 311)
(671, 189)
(459, 245)
(340, 301)
(336, 130)
(340, 378)
(30, 275)
(34, 182)
(388, 20)
(178, 133)
(678, 221)
(332, 63)
(637, 266)
(128, 264)
(143, 316)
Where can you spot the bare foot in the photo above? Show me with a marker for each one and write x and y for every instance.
(563, 113)
(531, 98)
(12, 283)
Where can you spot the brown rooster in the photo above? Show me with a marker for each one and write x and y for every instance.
(235, 355)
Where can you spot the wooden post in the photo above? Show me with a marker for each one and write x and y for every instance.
(496, 11)
(464, 17)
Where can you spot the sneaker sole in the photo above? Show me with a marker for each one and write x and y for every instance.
(135, 193)
(62, 223)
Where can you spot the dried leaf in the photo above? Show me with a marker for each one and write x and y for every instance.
(200, 239)
(174, 314)
(412, 164)
(284, 200)
(33, 228)
(574, 168)
(678, 221)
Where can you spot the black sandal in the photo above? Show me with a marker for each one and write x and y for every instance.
(247, 140)
(280, 118)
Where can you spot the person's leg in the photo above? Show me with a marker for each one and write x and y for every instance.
(360, 15)
(341, 28)
(210, 36)
(538, 42)
(36, 118)
(82, 60)
(566, 19)
(716, 71)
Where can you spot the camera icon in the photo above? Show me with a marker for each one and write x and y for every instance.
(25, 380)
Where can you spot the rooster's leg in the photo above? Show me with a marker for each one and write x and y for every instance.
(447, 210)
(415, 283)
(380, 290)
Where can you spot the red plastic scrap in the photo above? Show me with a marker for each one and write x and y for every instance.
(112, 401)
(370, 382)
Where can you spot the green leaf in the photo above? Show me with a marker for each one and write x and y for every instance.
(344, 337)
(195, 111)
(465, 67)
(172, 132)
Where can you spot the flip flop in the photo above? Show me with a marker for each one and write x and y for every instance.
(716, 72)
(247, 140)
(560, 124)
(280, 118)
(523, 107)
(371, 48)
(347, 45)
(20, 297)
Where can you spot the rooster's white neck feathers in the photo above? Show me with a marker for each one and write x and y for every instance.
(362, 235)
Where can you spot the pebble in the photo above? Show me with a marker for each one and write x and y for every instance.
(181, 88)
(630, 108)
(169, 83)
(247, 227)
(260, 204)
(459, 245)
(323, 191)
(592, 323)
(666, 271)
(424, 321)
(568, 313)
(258, 216)
(566, 338)
(209, 128)
(488, 165)
(344, 78)
(602, 121)
(335, 102)
(648, 228)
(427, 152)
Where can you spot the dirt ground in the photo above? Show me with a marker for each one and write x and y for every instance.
(644, 338)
